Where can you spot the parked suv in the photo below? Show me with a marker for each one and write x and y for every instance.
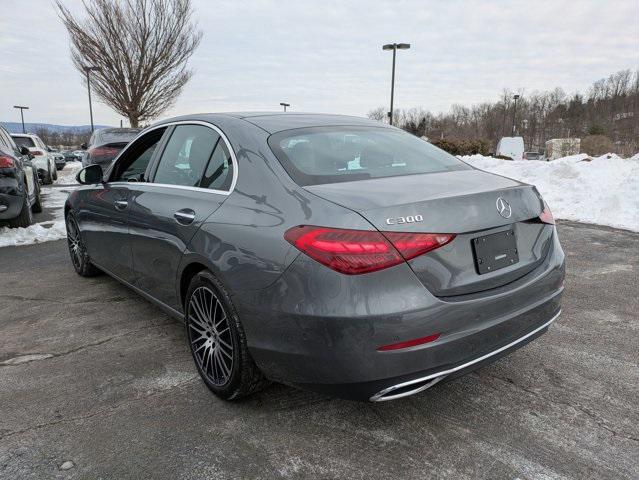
(19, 187)
(106, 143)
(44, 162)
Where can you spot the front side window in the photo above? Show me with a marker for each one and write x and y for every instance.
(131, 167)
(186, 155)
(320, 155)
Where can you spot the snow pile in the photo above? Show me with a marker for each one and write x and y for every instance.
(53, 197)
(602, 190)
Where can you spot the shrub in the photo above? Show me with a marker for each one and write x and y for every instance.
(463, 147)
(595, 145)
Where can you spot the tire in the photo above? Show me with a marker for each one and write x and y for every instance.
(217, 340)
(46, 178)
(37, 205)
(79, 256)
(26, 216)
(55, 174)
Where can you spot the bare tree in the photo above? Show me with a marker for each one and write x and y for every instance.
(141, 48)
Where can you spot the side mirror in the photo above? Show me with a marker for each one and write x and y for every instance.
(83, 146)
(24, 150)
(90, 175)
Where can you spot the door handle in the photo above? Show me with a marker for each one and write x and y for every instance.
(184, 216)
(121, 204)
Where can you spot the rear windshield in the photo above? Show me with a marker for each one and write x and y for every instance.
(114, 135)
(320, 155)
(24, 142)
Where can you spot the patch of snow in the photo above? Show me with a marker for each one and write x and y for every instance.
(602, 190)
(53, 197)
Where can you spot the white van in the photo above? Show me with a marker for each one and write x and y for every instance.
(512, 147)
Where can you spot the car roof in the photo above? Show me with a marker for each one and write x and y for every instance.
(30, 135)
(273, 122)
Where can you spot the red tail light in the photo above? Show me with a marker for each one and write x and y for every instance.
(103, 154)
(6, 162)
(546, 215)
(360, 251)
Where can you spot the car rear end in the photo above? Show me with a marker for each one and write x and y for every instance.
(532, 156)
(107, 144)
(40, 156)
(60, 160)
(456, 267)
(12, 187)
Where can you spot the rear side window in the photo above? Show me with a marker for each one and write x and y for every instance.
(186, 155)
(219, 171)
(320, 155)
(24, 142)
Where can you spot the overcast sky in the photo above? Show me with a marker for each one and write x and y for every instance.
(326, 56)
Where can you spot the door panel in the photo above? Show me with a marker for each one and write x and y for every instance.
(166, 213)
(102, 219)
(162, 221)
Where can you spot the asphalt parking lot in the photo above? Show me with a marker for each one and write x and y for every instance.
(92, 374)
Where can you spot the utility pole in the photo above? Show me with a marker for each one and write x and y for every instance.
(514, 113)
(394, 47)
(88, 70)
(22, 109)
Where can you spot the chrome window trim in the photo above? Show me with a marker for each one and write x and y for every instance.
(185, 187)
(382, 396)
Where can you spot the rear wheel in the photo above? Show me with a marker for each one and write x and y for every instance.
(37, 205)
(55, 173)
(218, 342)
(78, 251)
(46, 177)
(26, 216)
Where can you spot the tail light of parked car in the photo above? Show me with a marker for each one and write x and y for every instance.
(360, 251)
(103, 154)
(6, 162)
(546, 215)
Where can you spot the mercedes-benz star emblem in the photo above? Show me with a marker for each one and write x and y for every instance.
(503, 207)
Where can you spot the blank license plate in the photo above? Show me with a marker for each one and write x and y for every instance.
(495, 251)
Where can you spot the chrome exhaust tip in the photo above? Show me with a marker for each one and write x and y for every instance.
(405, 389)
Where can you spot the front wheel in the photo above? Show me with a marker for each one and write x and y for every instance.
(78, 251)
(218, 342)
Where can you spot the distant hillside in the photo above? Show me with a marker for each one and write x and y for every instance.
(16, 127)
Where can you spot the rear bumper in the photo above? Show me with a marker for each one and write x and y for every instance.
(419, 384)
(10, 206)
(320, 330)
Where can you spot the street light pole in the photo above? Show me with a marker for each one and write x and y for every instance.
(514, 113)
(22, 109)
(394, 47)
(285, 105)
(88, 71)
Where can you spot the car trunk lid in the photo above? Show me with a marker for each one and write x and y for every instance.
(465, 203)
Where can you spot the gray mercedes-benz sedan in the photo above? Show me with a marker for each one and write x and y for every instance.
(328, 252)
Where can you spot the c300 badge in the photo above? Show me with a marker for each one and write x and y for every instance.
(401, 220)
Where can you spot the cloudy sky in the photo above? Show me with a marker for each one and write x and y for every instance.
(326, 56)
